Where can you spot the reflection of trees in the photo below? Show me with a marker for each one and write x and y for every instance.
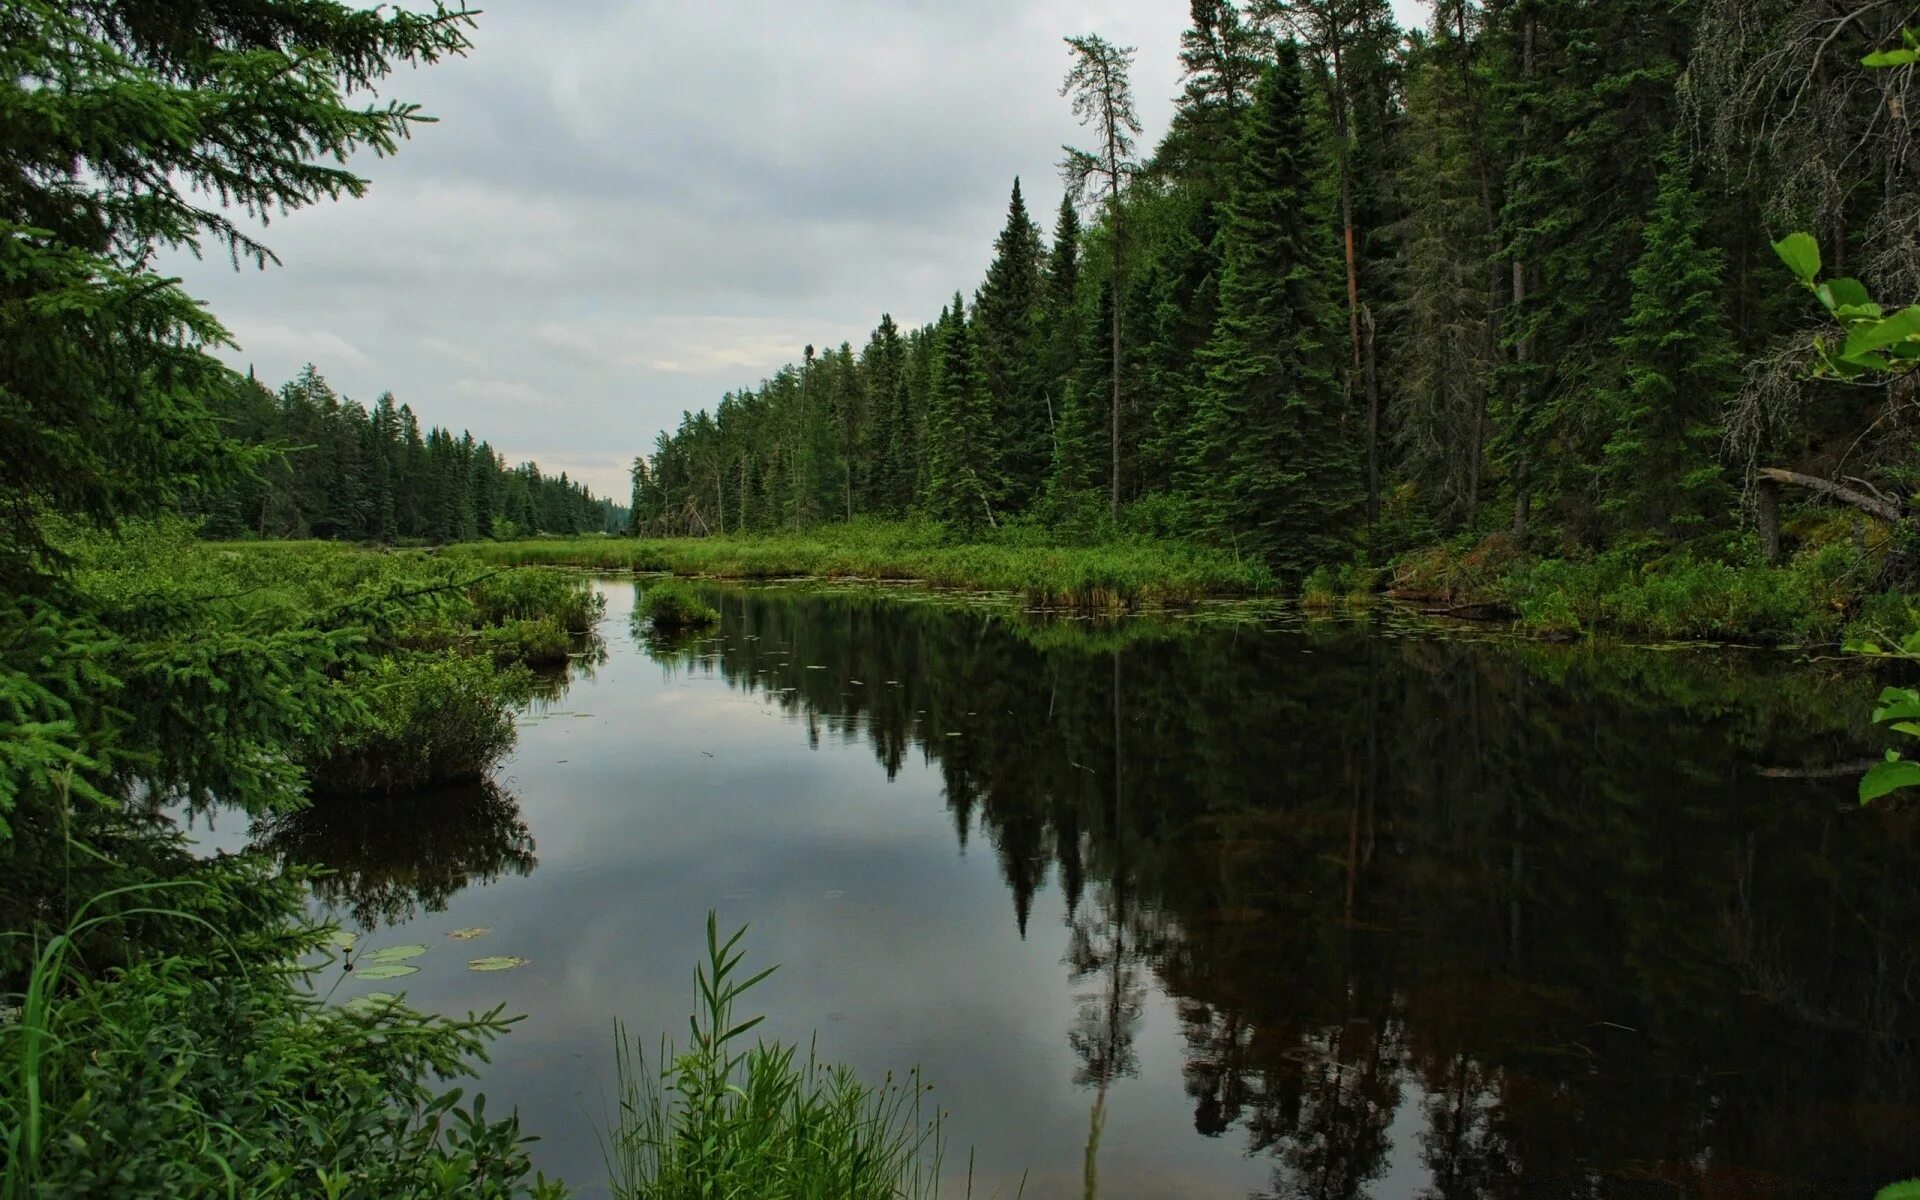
(1536, 900)
(387, 859)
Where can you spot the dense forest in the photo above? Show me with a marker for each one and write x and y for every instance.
(1508, 277)
(332, 468)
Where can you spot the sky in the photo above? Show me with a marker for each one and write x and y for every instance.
(628, 207)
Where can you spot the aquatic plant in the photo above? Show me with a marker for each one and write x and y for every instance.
(673, 607)
(720, 1119)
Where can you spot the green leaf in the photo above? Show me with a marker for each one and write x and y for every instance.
(1868, 336)
(1839, 293)
(1891, 58)
(394, 954)
(1898, 704)
(1905, 1190)
(340, 939)
(1801, 254)
(1887, 777)
(470, 933)
(498, 962)
(385, 971)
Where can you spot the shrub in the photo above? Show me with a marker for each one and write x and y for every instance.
(537, 592)
(673, 606)
(538, 642)
(433, 718)
(206, 1066)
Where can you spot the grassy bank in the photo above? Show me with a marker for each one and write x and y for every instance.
(1823, 594)
(1107, 577)
(420, 694)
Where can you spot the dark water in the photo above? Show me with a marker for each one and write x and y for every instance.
(1323, 912)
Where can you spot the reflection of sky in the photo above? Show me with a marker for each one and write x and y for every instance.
(654, 796)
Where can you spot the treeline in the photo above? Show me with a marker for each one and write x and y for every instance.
(1508, 275)
(339, 470)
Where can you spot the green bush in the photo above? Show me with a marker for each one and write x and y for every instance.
(673, 606)
(207, 1067)
(432, 719)
(536, 642)
(534, 592)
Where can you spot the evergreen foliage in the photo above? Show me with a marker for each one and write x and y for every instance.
(1533, 285)
(1660, 474)
(1007, 316)
(1268, 457)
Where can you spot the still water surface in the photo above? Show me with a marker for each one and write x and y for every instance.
(1331, 911)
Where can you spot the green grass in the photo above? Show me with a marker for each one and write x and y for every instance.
(1817, 596)
(1113, 576)
(721, 1119)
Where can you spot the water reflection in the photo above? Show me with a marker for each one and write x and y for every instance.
(1504, 920)
(386, 860)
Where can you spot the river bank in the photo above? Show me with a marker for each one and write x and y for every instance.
(1823, 595)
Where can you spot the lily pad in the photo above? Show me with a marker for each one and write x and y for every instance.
(498, 962)
(340, 939)
(394, 954)
(371, 1001)
(385, 971)
(470, 933)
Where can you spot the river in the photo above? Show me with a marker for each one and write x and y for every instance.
(1309, 908)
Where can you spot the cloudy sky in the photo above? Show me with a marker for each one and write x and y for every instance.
(630, 206)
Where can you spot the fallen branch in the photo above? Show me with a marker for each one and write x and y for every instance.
(1886, 510)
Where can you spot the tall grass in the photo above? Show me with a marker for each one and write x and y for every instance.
(1110, 576)
(721, 1119)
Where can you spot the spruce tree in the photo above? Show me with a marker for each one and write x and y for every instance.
(882, 365)
(1270, 461)
(963, 487)
(1007, 315)
(1660, 472)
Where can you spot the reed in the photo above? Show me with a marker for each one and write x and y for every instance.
(721, 1118)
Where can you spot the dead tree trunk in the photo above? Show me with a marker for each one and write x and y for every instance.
(1767, 513)
(1874, 506)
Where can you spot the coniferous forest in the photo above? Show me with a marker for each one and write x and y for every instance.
(337, 470)
(1506, 277)
(1018, 676)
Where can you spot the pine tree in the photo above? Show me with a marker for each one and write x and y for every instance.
(1007, 315)
(1270, 461)
(1444, 293)
(882, 367)
(1103, 97)
(1059, 318)
(1660, 474)
(1081, 450)
(963, 487)
(1221, 57)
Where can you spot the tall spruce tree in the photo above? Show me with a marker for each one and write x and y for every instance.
(1008, 335)
(1660, 473)
(963, 486)
(1269, 460)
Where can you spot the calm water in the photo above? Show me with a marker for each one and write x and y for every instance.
(1330, 912)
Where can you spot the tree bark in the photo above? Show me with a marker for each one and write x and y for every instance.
(1767, 515)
